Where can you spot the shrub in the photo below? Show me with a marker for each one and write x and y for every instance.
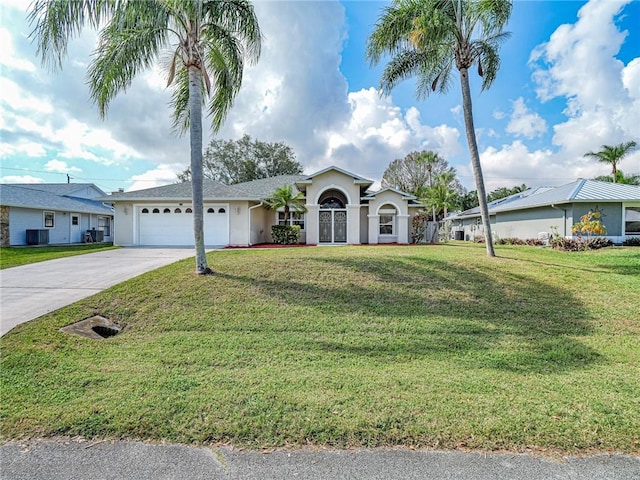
(285, 234)
(597, 242)
(579, 244)
(632, 242)
(533, 242)
(589, 224)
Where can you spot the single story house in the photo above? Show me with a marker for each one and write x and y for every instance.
(53, 213)
(340, 210)
(538, 212)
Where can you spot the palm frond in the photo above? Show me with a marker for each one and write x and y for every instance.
(57, 22)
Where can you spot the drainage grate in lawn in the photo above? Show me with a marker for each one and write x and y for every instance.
(96, 327)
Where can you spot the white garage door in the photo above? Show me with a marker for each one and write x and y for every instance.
(173, 225)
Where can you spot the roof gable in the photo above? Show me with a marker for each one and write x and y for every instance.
(357, 179)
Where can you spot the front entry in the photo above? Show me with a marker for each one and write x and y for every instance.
(333, 226)
(332, 218)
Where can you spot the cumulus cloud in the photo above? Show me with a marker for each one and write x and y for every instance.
(578, 65)
(524, 123)
(60, 167)
(603, 95)
(163, 174)
(20, 179)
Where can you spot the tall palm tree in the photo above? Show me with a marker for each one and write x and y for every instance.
(426, 39)
(208, 40)
(612, 154)
(284, 197)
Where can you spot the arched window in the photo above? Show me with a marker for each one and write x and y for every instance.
(177, 210)
(387, 219)
(221, 210)
(145, 210)
(211, 210)
(155, 210)
(167, 210)
(332, 199)
(188, 210)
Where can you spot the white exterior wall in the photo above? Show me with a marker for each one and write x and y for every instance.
(123, 224)
(239, 230)
(401, 227)
(329, 180)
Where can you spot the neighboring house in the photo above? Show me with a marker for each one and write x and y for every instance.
(341, 210)
(54, 213)
(539, 211)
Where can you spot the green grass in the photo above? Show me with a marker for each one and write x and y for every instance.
(15, 256)
(426, 346)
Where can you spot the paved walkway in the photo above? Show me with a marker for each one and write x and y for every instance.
(72, 460)
(30, 291)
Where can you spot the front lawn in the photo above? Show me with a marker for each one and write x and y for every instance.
(14, 256)
(426, 346)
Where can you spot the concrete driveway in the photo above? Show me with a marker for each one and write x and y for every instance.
(30, 291)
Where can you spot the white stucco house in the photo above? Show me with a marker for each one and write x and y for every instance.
(52, 213)
(340, 210)
(538, 212)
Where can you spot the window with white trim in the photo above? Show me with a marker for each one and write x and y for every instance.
(295, 218)
(632, 220)
(387, 220)
(49, 219)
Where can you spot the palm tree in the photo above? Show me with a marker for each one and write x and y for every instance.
(429, 159)
(209, 42)
(441, 197)
(612, 154)
(426, 39)
(284, 197)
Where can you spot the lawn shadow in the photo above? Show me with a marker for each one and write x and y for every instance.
(414, 307)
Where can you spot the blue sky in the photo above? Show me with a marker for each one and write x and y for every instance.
(569, 83)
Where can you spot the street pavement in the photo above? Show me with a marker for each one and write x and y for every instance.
(105, 460)
(30, 291)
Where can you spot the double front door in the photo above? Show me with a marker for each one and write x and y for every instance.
(333, 226)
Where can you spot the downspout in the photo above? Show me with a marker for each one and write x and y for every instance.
(249, 229)
(564, 219)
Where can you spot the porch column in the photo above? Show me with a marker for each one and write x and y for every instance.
(311, 224)
(403, 228)
(374, 228)
(353, 224)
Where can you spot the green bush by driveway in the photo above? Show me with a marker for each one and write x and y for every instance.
(426, 346)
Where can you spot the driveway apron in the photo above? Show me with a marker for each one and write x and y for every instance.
(30, 291)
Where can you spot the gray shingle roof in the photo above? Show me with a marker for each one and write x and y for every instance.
(578, 191)
(265, 186)
(60, 188)
(35, 196)
(211, 190)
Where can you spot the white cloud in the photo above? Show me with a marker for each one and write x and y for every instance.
(31, 149)
(525, 123)
(8, 56)
(20, 179)
(161, 175)
(579, 63)
(60, 167)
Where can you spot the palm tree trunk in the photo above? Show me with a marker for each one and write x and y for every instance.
(195, 131)
(475, 160)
